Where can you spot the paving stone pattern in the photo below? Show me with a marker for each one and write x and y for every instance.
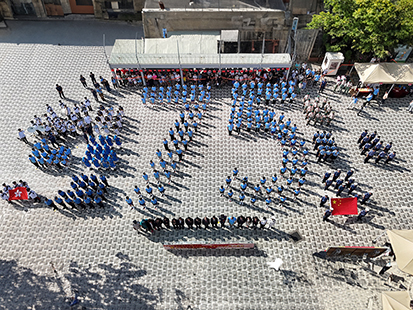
(111, 266)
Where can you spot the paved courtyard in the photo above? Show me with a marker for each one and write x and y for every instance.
(111, 266)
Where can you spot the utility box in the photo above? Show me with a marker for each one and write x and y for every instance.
(331, 63)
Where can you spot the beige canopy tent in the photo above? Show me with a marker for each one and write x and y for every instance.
(386, 73)
(402, 243)
(395, 300)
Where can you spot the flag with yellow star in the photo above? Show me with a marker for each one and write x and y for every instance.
(344, 206)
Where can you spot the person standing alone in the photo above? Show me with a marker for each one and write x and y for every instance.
(60, 91)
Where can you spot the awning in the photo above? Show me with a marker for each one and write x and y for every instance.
(402, 244)
(198, 52)
(395, 300)
(386, 73)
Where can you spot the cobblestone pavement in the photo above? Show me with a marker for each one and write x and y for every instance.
(100, 256)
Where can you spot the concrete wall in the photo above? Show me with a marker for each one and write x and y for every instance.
(211, 19)
(39, 8)
(97, 8)
(66, 6)
(301, 7)
(305, 41)
(138, 5)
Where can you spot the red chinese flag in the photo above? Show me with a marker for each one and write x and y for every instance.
(344, 206)
(19, 193)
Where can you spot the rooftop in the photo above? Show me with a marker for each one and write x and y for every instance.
(196, 51)
(218, 4)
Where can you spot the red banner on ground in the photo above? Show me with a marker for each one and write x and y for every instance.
(344, 206)
(189, 246)
(19, 193)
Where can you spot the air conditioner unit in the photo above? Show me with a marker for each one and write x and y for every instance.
(115, 5)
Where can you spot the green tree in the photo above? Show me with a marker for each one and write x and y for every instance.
(366, 26)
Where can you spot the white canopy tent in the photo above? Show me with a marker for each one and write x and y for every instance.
(385, 73)
(187, 51)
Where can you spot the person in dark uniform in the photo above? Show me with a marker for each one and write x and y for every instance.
(175, 223)
(362, 214)
(336, 175)
(181, 223)
(326, 176)
(390, 157)
(338, 183)
(349, 182)
(255, 222)
(241, 220)
(214, 221)
(328, 184)
(157, 223)
(222, 219)
(352, 188)
(151, 224)
(364, 141)
(366, 147)
(206, 222)
(166, 222)
(323, 201)
(369, 156)
(326, 215)
(189, 222)
(349, 174)
(197, 222)
(340, 189)
(363, 134)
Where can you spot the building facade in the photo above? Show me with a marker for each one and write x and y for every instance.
(262, 25)
(102, 9)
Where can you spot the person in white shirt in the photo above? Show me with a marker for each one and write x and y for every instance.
(106, 129)
(63, 129)
(5, 196)
(38, 120)
(119, 115)
(47, 128)
(22, 136)
(96, 129)
(76, 110)
(116, 129)
(6, 188)
(48, 119)
(33, 195)
(263, 222)
(87, 119)
(121, 111)
(72, 129)
(119, 123)
(410, 108)
(87, 104)
(80, 124)
(271, 222)
(21, 184)
(49, 109)
(83, 107)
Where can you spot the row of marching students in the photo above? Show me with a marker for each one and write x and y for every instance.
(86, 192)
(150, 225)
